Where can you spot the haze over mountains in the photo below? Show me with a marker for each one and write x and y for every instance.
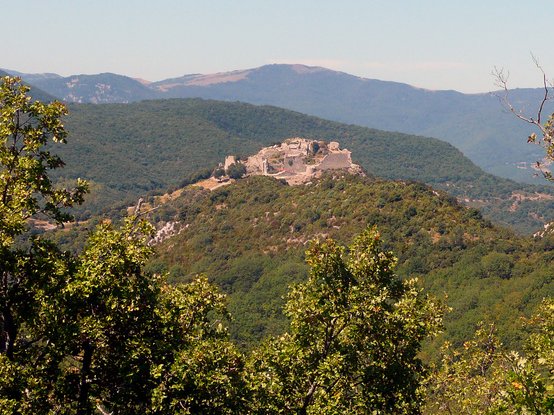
(477, 124)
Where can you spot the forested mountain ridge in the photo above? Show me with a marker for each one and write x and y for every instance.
(129, 150)
(250, 238)
(477, 124)
(97, 89)
(90, 88)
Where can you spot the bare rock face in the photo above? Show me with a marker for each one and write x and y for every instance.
(299, 160)
(548, 230)
(166, 231)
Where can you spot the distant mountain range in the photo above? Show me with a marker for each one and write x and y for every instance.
(475, 123)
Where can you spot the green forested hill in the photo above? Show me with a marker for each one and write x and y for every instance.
(477, 124)
(128, 150)
(250, 239)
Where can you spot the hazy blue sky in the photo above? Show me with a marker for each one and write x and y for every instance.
(439, 44)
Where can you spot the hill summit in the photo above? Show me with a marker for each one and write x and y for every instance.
(296, 160)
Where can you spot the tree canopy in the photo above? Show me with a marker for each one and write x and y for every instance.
(354, 337)
(94, 332)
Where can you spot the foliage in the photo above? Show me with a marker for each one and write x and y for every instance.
(468, 380)
(26, 127)
(236, 170)
(206, 372)
(219, 172)
(27, 191)
(113, 306)
(93, 332)
(110, 337)
(250, 238)
(483, 378)
(496, 264)
(547, 142)
(31, 274)
(354, 337)
(531, 377)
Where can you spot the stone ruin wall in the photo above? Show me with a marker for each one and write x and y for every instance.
(228, 161)
(294, 164)
(290, 160)
(340, 160)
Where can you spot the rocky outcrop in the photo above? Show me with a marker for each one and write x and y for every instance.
(548, 230)
(164, 232)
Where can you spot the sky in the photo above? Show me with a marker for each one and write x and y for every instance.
(441, 44)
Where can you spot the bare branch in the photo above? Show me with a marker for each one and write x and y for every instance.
(137, 207)
(546, 128)
(102, 410)
(545, 84)
(501, 81)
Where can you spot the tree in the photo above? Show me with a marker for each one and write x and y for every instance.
(26, 191)
(94, 332)
(470, 379)
(206, 374)
(354, 337)
(531, 377)
(484, 378)
(31, 273)
(497, 264)
(236, 170)
(140, 345)
(545, 128)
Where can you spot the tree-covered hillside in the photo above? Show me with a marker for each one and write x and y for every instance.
(250, 238)
(102, 330)
(97, 89)
(128, 150)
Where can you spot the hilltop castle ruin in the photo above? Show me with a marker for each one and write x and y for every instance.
(298, 160)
